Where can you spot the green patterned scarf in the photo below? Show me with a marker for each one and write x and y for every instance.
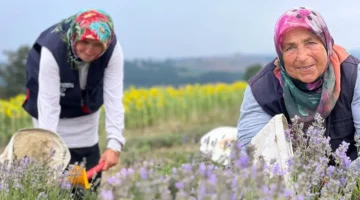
(304, 100)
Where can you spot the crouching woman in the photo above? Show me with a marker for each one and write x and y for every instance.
(310, 75)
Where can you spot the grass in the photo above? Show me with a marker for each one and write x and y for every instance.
(175, 143)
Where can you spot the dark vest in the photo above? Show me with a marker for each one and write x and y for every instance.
(339, 124)
(74, 102)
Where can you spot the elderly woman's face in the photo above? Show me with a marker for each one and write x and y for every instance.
(88, 49)
(304, 55)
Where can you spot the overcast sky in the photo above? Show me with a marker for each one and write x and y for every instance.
(169, 29)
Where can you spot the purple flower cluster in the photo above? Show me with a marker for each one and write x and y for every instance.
(311, 175)
(27, 178)
(246, 177)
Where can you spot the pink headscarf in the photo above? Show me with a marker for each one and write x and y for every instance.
(305, 18)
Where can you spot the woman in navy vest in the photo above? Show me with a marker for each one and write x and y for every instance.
(73, 68)
(310, 75)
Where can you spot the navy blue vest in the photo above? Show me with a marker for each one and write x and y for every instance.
(74, 102)
(339, 124)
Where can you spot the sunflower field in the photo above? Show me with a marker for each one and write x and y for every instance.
(145, 106)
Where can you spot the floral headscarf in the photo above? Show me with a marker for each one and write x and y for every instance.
(305, 100)
(87, 24)
(302, 18)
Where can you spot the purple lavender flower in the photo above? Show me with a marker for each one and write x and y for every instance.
(287, 193)
(201, 192)
(111, 180)
(202, 168)
(238, 145)
(65, 185)
(287, 135)
(187, 167)
(212, 179)
(346, 162)
(243, 161)
(123, 172)
(277, 170)
(319, 169)
(179, 185)
(266, 189)
(234, 183)
(343, 181)
(253, 171)
(106, 195)
(233, 196)
(25, 161)
(130, 171)
(289, 162)
(211, 167)
(143, 173)
(341, 154)
(323, 160)
(330, 170)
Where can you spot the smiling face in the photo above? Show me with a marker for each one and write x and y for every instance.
(304, 55)
(88, 50)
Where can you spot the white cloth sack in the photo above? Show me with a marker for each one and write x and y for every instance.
(37, 144)
(270, 142)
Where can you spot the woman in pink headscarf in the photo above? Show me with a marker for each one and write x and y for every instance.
(310, 75)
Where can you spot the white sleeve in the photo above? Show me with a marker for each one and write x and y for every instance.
(355, 104)
(113, 96)
(355, 107)
(252, 118)
(49, 91)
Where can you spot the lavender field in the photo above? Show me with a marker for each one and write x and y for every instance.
(163, 161)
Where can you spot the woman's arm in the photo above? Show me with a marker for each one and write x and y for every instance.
(252, 118)
(355, 109)
(48, 101)
(113, 96)
(355, 105)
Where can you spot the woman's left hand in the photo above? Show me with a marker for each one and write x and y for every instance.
(110, 157)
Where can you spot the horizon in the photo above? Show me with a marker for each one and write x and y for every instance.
(161, 30)
(355, 52)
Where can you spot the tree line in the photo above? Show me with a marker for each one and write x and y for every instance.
(140, 74)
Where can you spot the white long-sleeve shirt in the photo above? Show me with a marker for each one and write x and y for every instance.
(82, 131)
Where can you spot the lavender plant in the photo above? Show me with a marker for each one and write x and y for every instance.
(28, 178)
(245, 177)
(311, 175)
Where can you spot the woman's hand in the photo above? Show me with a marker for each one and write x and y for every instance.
(111, 158)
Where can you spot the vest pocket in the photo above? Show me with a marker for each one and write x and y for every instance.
(341, 128)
